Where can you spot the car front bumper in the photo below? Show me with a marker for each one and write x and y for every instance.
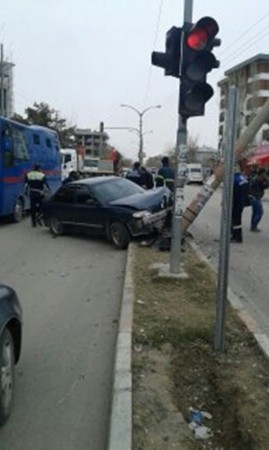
(148, 224)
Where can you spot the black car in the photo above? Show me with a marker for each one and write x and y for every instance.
(10, 347)
(112, 206)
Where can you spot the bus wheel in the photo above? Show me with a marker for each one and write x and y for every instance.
(18, 211)
(56, 226)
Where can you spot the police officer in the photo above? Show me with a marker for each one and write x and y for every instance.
(35, 186)
(165, 175)
(136, 174)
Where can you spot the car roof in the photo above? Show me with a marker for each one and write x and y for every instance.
(95, 180)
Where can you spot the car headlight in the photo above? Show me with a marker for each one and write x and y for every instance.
(141, 214)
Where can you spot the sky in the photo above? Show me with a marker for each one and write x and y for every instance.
(85, 58)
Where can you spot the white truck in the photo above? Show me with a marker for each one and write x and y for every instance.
(96, 166)
(70, 160)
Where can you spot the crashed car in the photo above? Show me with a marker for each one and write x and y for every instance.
(10, 347)
(112, 206)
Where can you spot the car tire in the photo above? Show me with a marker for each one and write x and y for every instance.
(7, 375)
(120, 236)
(18, 211)
(56, 227)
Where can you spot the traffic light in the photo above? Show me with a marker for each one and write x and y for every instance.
(169, 60)
(197, 61)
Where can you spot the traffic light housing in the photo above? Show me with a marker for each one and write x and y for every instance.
(197, 61)
(170, 60)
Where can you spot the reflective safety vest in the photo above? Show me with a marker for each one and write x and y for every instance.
(165, 177)
(36, 182)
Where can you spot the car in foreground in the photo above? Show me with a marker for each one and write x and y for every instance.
(10, 347)
(111, 206)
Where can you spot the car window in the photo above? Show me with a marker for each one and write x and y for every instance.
(83, 196)
(110, 190)
(65, 194)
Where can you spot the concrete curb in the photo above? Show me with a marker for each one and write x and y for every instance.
(261, 338)
(120, 432)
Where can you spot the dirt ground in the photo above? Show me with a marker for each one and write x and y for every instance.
(175, 366)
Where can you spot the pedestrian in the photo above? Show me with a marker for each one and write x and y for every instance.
(73, 176)
(240, 195)
(257, 185)
(147, 179)
(36, 186)
(165, 175)
(135, 174)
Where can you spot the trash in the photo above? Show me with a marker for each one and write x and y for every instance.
(140, 302)
(196, 418)
(202, 432)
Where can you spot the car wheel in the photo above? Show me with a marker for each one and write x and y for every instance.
(18, 211)
(119, 235)
(56, 227)
(7, 372)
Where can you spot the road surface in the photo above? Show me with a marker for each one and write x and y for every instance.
(248, 274)
(70, 289)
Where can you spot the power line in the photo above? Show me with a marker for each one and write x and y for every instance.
(154, 44)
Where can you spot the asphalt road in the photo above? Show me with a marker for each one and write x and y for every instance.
(248, 268)
(70, 289)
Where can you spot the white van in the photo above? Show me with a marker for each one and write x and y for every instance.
(194, 173)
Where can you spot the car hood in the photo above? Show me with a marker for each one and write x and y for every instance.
(150, 200)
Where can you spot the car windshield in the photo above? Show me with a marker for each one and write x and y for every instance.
(115, 189)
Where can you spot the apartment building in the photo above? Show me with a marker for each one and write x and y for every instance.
(251, 78)
(93, 142)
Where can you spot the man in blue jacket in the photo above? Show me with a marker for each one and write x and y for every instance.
(165, 175)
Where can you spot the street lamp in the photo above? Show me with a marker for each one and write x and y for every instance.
(140, 114)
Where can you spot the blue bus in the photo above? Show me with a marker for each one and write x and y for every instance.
(22, 146)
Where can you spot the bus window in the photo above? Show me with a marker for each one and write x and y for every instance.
(48, 143)
(36, 139)
(20, 145)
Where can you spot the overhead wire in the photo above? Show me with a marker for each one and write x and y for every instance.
(154, 44)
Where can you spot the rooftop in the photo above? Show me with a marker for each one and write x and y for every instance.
(261, 57)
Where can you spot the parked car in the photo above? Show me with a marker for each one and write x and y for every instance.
(10, 347)
(112, 206)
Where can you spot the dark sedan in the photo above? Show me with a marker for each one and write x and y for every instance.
(10, 347)
(112, 206)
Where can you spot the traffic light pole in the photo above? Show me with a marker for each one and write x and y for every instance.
(180, 175)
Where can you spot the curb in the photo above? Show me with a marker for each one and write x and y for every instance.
(252, 326)
(120, 431)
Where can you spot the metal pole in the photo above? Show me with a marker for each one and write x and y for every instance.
(2, 80)
(180, 175)
(223, 271)
(140, 154)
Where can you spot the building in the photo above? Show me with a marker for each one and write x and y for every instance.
(94, 142)
(251, 78)
(6, 89)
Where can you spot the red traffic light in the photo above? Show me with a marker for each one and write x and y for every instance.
(202, 34)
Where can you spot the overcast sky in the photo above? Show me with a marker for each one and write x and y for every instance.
(87, 57)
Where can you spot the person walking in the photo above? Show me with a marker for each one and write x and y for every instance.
(165, 175)
(257, 185)
(36, 186)
(240, 195)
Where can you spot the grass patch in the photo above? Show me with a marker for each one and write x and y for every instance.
(175, 366)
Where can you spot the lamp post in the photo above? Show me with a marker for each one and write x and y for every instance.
(140, 114)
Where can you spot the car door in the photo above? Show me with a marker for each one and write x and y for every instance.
(89, 211)
(62, 204)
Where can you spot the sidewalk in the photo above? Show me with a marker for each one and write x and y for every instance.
(120, 437)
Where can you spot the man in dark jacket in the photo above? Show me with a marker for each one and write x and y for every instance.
(165, 175)
(240, 193)
(35, 186)
(257, 186)
(136, 174)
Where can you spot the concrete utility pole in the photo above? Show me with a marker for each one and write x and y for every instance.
(197, 204)
(180, 175)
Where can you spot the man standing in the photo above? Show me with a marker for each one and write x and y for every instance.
(35, 186)
(136, 174)
(257, 185)
(240, 193)
(165, 175)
